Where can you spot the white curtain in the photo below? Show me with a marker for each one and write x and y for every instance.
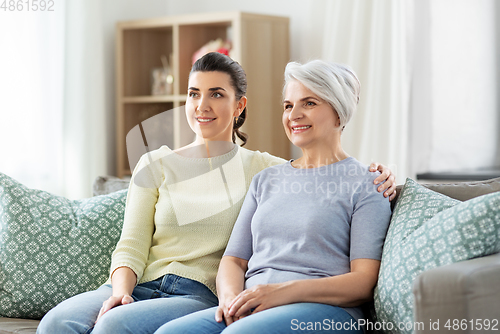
(52, 98)
(374, 38)
(31, 103)
(85, 144)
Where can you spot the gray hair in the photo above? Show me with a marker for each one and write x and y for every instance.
(334, 83)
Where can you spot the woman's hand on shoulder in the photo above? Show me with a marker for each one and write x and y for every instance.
(389, 186)
(114, 301)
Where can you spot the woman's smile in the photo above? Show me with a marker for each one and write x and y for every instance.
(300, 128)
(205, 120)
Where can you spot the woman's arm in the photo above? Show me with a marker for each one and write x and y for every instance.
(230, 283)
(123, 280)
(347, 290)
(132, 250)
(234, 264)
(128, 266)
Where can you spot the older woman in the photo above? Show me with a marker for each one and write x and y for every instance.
(305, 251)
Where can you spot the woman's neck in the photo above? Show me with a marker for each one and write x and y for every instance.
(205, 149)
(320, 155)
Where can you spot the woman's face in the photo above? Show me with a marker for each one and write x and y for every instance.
(307, 119)
(211, 105)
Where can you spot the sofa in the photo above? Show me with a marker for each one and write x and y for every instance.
(52, 248)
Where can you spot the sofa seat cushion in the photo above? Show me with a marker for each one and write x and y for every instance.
(429, 230)
(52, 248)
(18, 326)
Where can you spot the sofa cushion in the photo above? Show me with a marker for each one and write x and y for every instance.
(462, 191)
(52, 248)
(429, 230)
(104, 185)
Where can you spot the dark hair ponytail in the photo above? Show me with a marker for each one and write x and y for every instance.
(217, 62)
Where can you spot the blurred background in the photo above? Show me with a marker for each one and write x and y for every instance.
(428, 70)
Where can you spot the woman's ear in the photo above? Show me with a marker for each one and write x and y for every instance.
(242, 103)
(337, 122)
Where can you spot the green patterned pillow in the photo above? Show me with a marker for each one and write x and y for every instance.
(429, 230)
(52, 248)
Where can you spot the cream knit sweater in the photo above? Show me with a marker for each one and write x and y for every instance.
(180, 212)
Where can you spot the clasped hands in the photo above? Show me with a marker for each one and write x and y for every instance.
(258, 298)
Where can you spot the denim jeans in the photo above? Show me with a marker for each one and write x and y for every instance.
(156, 303)
(292, 318)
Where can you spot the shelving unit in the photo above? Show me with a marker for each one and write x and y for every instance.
(260, 43)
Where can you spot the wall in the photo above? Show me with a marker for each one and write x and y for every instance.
(497, 44)
(112, 12)
(455, 118)
(454, 121)
(465, 117)
(306, 21)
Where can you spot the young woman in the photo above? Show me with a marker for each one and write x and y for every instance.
(305, 251)
(180, 210)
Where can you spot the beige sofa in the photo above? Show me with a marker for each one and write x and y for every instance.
(467, 290)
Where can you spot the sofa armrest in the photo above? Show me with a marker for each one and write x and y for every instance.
(467, 290)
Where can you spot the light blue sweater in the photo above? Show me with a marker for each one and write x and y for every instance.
(309, 223)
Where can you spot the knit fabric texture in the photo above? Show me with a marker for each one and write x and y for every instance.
(180, 212)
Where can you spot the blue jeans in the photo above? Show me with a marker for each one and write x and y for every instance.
(156, 302)
(293, 318)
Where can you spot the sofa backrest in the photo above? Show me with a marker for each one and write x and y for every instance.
(462, 191)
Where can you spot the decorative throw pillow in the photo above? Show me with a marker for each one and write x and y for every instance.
(52, 248)
(429, 230)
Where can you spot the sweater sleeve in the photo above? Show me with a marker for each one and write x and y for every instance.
(269, 160)
(132, 250)
(369, 222)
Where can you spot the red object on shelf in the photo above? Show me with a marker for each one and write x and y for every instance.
(224, 51)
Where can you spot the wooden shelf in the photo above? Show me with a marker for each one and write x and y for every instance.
(260, 43)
